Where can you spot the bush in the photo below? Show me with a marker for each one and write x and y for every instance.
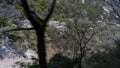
(60, 61)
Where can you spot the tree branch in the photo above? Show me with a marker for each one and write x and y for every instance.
(31, 15)
(51, 11)
(39, 26)
(17, 29)
(88, 40)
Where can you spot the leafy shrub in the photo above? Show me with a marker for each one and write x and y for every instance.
(60, 61)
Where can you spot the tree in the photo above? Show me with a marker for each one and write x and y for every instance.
(39, 25)
(81, 27)
(106, 59)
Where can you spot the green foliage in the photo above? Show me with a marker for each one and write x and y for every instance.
(34, 66)
(94, 12)
(9, 22)
(3, 21)
(66, 11)
(39, 6)
(60, 61)
(14, 36)
(60, 18)
(18, 7)
(109, 59)
(103, 60)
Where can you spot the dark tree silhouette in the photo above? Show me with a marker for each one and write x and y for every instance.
(39, 26)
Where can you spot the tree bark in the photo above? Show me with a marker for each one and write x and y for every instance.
(41, 47)
(39, 26)
(80, 63)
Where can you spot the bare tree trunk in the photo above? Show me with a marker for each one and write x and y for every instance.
(80, 63)
(39, 26)
(41, 47)
(81, 59)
